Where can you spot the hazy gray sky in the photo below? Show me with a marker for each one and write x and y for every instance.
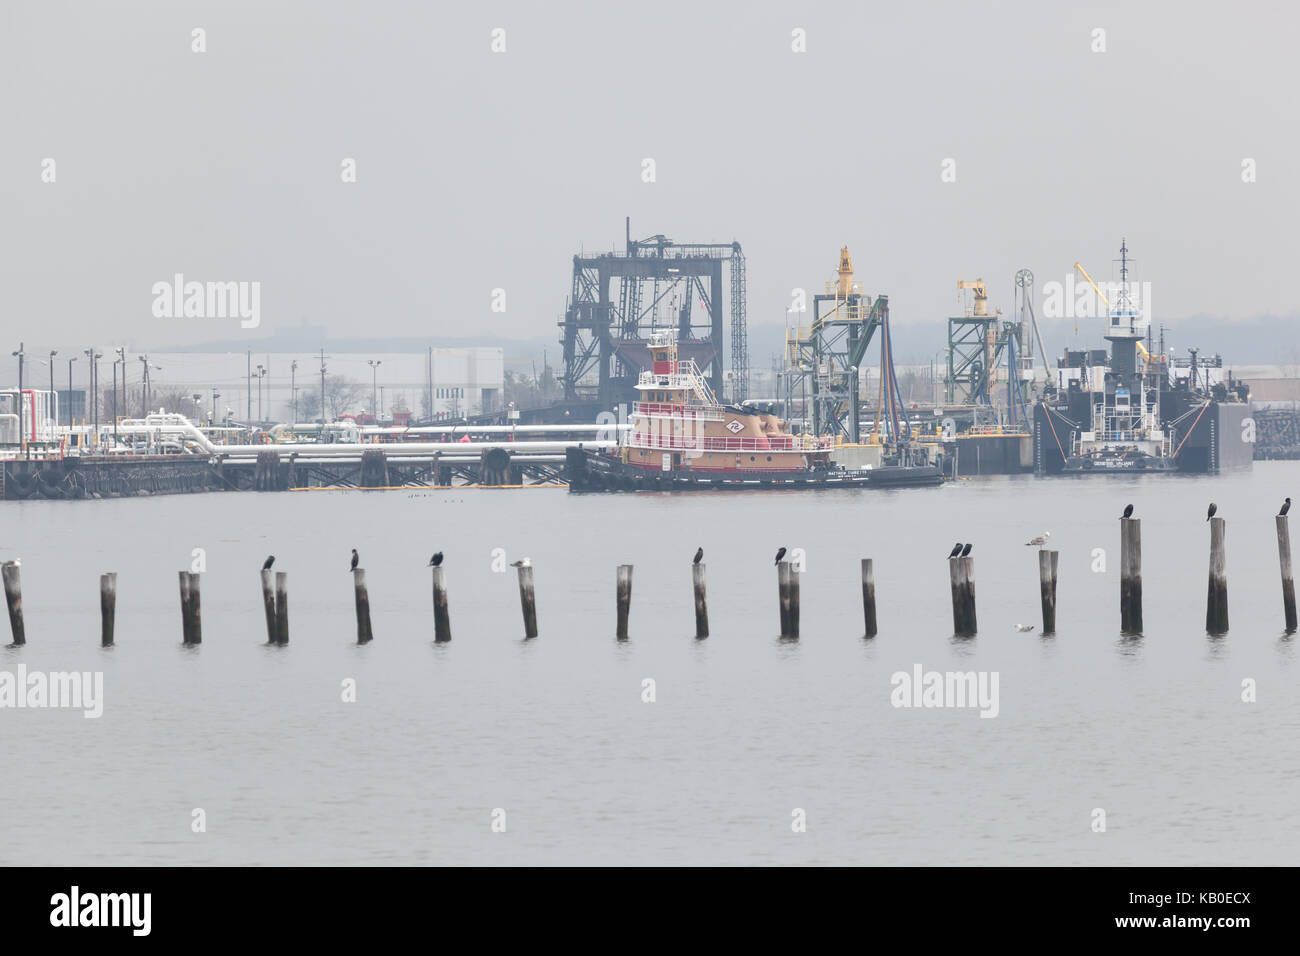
(478, 170)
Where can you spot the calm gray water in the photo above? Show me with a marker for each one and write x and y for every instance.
(745, 728)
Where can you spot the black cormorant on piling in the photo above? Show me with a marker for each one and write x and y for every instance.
(1286, 506)
(1128, 511)
(965, 551)
(1210, 513)
(699, 556)
(355, 559)
(956, 550)
(780, 553)
(266, 565)
(436, 560)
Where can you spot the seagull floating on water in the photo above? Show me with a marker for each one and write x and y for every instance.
(1024, 627)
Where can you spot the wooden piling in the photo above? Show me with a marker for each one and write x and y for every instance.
(441, 618)
(1130, 575)
(184, 580)
(196, 615)
(528, 600)
(364, 634)
(107, 607)
(268, 605)
(1216, 603)
(281, 607)
(1047, 562)
(701, 601)
(793, 620)
(1284, 562)
(868, 597)
(961, 578)
(783, 595)
(623, 597)
(14, 599)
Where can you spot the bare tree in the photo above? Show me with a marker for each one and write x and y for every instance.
(341, 395)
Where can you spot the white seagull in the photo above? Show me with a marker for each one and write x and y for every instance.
(1040, 540)
(1024, 627)
(525, 563)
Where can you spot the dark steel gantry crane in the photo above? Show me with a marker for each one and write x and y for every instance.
(660, 282)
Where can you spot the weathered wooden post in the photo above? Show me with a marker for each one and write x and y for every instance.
(961, 578)
(364, 635)
(196, 609)
(1130, 575)
(184, 579)
(869, 597)
(793, 620)
(441, 619)
(1047, 562)
(281, 607)
(1216, 603)
(624, 598)
(527, 599)
(783, 595)
(14, 599)
(1284, 561)
(107, 607)
(701, 601)
(268, 604)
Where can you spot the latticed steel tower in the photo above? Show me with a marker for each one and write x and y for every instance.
(661, 284)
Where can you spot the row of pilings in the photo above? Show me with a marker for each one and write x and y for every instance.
(961, 572)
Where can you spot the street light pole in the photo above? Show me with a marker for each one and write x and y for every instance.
(92, 374)
(70, 361)
(374, 378)
(261, 376)
(20, 354)
(293, 388)
(121, 357)
(53, 397)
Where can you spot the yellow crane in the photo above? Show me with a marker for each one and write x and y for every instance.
(981, 294)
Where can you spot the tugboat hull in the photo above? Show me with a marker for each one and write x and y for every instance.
(590, 471)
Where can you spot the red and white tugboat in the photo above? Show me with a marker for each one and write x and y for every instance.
(683, 438)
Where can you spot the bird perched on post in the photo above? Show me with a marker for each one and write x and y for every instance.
(355, 559)
(780, 553)
(523, 563)
(1210, 514)
(965, 551)
(1128, 511)
(1286, 506)
(266, 565)
(956, 550)
(1040, 540)
(436, 560)
(699, 556)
